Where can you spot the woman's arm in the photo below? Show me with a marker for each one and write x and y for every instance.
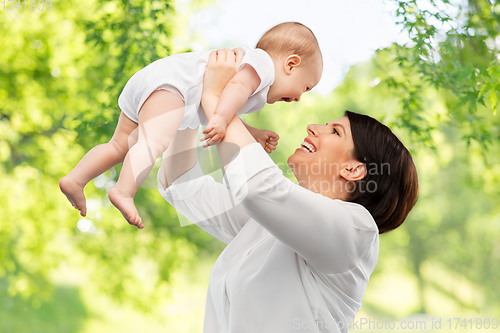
(198, 197)
(207, 204)
(330, 235)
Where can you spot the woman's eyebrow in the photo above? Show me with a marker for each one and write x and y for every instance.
(337, 124)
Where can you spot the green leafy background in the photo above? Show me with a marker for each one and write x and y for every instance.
(62, 71)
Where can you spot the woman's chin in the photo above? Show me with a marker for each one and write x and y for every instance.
(294, 158)
(291, 159)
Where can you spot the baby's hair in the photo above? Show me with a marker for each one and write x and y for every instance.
(289, 38)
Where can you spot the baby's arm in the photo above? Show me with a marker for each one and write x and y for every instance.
(232, 99)
(267, 139)
(251, 129)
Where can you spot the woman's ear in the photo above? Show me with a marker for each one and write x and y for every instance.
(291, 62)
(353, 172)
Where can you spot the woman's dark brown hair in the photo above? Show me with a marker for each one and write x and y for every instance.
(390, 188)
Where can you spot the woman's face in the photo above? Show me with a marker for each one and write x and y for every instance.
(324, 153)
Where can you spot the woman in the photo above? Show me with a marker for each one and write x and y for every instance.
(298, 257)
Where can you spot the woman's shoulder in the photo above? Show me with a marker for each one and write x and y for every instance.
(361, 217)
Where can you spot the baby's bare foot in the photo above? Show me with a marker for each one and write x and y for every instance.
(125, 205)
(74, 193)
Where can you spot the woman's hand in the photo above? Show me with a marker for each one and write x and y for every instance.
(222, 66)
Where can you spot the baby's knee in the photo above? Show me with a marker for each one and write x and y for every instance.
(159, 146)
(121, 148)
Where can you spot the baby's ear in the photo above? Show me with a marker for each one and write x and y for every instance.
(291, 62)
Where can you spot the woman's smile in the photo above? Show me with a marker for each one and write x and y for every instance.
(308, 146)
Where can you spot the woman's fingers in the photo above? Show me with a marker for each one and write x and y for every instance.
(229, 53)
(221, 55)
(239, 55)
(231, 57)
(212, 58)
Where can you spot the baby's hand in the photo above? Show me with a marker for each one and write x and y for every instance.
(215, 130)
(268, 139)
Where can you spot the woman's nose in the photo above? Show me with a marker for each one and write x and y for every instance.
(312, 129)
(316, 130)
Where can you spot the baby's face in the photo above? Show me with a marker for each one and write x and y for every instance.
(289, 85)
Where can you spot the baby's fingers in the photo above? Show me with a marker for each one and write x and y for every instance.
(208, 135)
(214, 139)
(208, 129)
(270, 146)
(274, 137)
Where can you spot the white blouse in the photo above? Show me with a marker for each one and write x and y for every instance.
(295, 260)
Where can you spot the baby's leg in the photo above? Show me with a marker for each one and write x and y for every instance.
(159, 120)
(96, 161)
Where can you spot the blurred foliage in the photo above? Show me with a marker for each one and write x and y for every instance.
(454, 54)
(58, 91)
(455, 47)
(58, 98)
(18, 315)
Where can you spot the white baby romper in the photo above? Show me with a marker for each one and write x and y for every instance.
(183, 74)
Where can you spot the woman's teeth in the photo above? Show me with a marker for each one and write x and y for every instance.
(308, 147)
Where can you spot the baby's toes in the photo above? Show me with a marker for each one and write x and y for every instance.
(135, 220)
(83, 211)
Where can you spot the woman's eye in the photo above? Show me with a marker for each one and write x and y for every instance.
(335, 131)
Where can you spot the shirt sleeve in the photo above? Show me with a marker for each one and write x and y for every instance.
(261, 61)
(206, 203)
(333, 236)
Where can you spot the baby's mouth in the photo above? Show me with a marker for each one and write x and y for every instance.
(286, 99)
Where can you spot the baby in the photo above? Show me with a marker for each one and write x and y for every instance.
(165, 96)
